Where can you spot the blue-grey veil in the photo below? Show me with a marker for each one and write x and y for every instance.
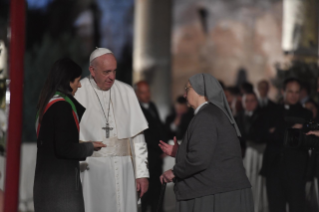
(208, 86)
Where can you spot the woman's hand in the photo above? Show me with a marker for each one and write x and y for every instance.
(98, 145)
(169, 149)
(167, 176)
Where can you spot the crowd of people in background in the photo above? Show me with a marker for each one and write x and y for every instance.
(278, 173)
(263, 125)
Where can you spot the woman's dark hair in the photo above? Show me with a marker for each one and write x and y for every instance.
(62, 73)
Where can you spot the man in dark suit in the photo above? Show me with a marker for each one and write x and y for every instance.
(153, 135)
(264, 102)
(286, 168)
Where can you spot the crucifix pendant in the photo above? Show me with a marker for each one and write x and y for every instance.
(107, 130)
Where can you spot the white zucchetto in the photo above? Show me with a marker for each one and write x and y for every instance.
(99, 52)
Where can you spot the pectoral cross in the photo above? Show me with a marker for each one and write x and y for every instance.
(107, 130)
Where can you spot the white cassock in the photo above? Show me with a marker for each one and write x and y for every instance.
(109, 184)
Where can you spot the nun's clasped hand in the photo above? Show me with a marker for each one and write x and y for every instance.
(169, 149)
(167, 176)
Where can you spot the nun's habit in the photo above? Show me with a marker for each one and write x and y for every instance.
(209, 172)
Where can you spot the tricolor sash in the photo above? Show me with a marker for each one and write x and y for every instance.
(57, 98)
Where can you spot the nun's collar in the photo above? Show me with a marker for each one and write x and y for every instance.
(199, 107)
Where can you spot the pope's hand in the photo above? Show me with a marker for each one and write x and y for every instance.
(167, 176)
(98, 145)
(142, 186)
(169, 149)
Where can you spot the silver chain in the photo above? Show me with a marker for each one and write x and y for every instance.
(108, 113)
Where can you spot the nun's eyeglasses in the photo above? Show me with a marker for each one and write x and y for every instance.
(187, 88)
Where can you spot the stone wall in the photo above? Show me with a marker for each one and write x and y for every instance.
(239, 34)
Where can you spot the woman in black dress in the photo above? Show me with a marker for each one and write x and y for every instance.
(57, 185)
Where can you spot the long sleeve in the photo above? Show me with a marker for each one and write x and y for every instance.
(66, 144)
(200, 148)
(139, 150)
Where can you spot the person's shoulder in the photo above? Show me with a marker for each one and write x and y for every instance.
(60, 107)
(85, 80)
(122, 85)
(61, 104)
(211, 108)
(82, 91)
(209, 111)
(212, 115)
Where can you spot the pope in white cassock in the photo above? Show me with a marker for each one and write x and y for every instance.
(113, 115)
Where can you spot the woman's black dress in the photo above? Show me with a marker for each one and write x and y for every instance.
(57, 186)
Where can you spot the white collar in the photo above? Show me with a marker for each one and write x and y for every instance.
(199, 107)
(249, 113)
(145, 105)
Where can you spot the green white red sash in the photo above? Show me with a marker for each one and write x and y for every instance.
(57, 98)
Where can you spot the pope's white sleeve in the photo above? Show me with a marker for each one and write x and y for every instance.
(140, 156)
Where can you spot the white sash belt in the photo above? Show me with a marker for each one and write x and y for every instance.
(114, 147)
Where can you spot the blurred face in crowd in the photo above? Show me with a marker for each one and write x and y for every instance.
(250, 102)
(229, 97)
(312, 107)
(291, 93)
(180, 109)
(143, 92)
(263, 88)
(75, 85)
(103, 70)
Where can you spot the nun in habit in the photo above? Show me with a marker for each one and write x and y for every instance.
(209, 175)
